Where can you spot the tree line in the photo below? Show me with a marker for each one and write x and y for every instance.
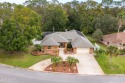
(19, 24)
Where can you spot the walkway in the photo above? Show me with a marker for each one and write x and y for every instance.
(41, 65)
(87, 64)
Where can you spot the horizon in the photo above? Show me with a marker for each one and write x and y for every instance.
(62, 1)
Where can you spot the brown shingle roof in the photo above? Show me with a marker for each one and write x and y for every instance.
(115, 38)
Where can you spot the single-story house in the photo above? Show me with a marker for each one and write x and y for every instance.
(51, 43)
(115, 39)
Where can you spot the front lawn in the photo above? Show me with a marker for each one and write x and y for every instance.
(117, 66)
(23, 60)
(118, 63)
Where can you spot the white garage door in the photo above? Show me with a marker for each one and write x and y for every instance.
(83, 50)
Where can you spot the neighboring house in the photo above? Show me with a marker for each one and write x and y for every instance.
(51, 43)
(116, 39)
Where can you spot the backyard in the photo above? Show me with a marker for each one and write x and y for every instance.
(118, 63)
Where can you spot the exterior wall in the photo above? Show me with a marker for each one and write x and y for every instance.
(66, 45)
(119, 45)
(91, 50)
(75, 50)
(51, 50)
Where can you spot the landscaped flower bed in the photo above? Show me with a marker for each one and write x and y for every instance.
(62, 67)
(37, 53)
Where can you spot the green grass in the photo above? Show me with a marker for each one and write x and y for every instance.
(117, 66)
(23, 60)
(118, 63)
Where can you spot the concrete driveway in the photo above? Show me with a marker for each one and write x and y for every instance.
(87, 64)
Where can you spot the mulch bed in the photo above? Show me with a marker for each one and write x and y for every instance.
(62, 67)
(36, 53)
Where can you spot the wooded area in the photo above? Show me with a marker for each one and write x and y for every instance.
(19, 24)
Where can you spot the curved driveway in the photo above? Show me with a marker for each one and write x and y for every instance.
(16, 75)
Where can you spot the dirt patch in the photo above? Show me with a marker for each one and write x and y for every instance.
(62, 67)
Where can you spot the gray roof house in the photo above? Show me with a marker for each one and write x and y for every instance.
(76, 38)
(61, 40)
(81, 42)
(50, 42)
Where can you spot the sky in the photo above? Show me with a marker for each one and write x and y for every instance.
(62, 1)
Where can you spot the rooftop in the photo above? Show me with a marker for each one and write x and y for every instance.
(115, 37)
(76, 38)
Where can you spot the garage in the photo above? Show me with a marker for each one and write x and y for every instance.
(83, 50)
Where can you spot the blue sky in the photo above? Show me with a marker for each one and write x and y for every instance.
(63, 1)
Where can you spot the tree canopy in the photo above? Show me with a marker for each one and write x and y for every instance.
(25, 22)
(19, 29)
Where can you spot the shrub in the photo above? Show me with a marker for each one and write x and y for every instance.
(99, 52)
(69, 45)
(38, 47)
(39, 37)
(56, 60)
(97, 34)
(122, 52)
(72, 60)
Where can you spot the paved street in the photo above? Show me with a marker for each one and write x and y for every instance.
(16, 75)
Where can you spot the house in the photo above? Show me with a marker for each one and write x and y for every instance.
(52, 43)
(115, 39)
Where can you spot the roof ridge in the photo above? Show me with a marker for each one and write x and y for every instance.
(52, 40)
(62, 36)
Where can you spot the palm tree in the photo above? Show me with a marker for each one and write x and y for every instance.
(56, 60)
(72, 60)
(112, 51)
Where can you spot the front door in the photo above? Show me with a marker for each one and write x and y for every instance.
(62, 45)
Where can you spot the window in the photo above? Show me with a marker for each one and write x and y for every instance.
(49, 47)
